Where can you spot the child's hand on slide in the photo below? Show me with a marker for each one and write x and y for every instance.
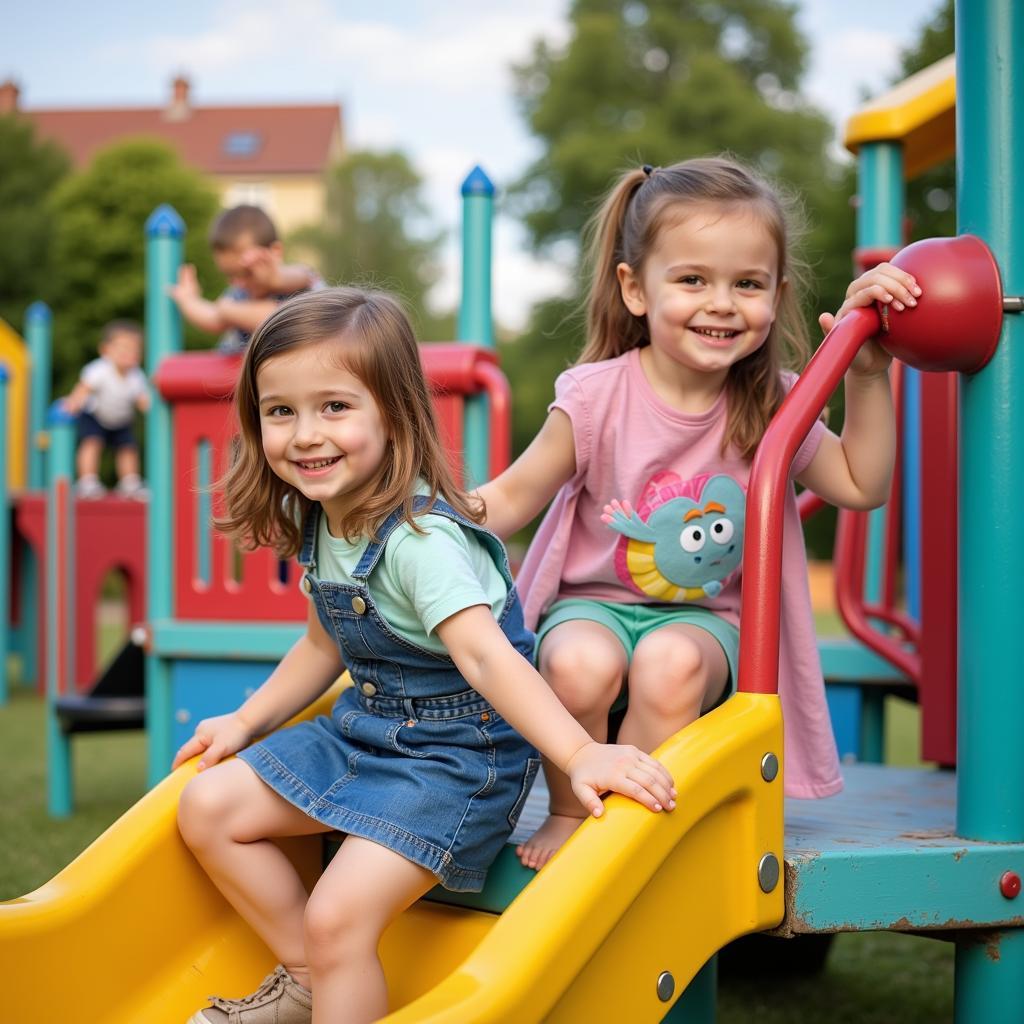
(214, 738)
(621, 768)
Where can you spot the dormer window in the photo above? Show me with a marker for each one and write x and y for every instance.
(242, 144)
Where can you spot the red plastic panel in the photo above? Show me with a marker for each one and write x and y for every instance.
(110, 535)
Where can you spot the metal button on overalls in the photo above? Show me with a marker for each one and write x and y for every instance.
(307, 584)
(358, 605)
(368, 689)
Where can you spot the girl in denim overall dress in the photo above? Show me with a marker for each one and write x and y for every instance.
(425, 761)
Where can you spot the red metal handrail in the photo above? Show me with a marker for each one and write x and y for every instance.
(766, 496)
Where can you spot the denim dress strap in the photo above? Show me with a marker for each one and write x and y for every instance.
(309, 528)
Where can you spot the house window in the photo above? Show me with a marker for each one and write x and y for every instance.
(248, 193)
(242, 144)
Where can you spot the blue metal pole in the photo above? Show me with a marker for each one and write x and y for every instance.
(475, 322)
(165, 233)
(60, 610)
(39, 339)
(879, 226)
(990, 774)
(5, 543)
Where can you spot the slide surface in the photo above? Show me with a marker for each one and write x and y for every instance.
(132, 930)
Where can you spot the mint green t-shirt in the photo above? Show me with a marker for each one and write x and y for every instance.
(421, 579)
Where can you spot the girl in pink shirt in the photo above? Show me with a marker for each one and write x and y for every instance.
(646, 450)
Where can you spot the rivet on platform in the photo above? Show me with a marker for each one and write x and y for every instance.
(1009, 884)
(666, 986)
(768, 872)
(769, 767)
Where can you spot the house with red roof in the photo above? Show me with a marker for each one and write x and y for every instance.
(271, 156)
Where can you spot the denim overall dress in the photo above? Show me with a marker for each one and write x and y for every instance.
(411, 757)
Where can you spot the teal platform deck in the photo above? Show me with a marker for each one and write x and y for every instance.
(880, 856)
(883, 855)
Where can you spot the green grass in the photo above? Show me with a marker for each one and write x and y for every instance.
(873, 978)
(110, 775)
(869, 978)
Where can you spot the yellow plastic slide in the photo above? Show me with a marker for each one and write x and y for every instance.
(133, 932)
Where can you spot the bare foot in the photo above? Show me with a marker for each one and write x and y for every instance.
(547, 840)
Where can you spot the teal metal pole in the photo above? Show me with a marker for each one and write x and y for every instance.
(990, 770)
(5, 542)
(475, 322)
(60, 605)
(165, 233)
(39, 339)
(879, 225)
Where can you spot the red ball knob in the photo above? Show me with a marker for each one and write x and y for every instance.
(1009, 885)
(959, 317)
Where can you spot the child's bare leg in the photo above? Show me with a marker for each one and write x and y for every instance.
(126, 462)
(677, 672)
(87, 458)
(584, 663)
(365, 887)
(226, 816)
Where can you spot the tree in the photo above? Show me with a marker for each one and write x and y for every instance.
(29, 171)
(931, 197)
(376, 232)
(657, 82)
(99, 245)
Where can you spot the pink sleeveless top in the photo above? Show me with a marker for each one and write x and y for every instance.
(681, 541)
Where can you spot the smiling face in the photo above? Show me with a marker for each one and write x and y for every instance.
(708, 288)
(322, 430)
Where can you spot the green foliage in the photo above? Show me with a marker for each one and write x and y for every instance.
(29, 171)
(375, 232)
(99, 246)
(931, 197)
(659, 82)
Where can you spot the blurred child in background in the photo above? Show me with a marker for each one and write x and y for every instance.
(109, 391)
(249, 254)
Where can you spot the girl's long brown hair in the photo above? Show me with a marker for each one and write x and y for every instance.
(625, 230)
(371, 337)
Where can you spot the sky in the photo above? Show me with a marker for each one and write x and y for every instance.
(431, 79)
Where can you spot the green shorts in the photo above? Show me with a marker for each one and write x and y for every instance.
(632, 622)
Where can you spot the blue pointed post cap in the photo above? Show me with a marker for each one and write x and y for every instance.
(59, 414)
(165, 222)
(477, 183)
(38, 312)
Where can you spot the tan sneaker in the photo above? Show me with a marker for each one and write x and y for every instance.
(279, 1000)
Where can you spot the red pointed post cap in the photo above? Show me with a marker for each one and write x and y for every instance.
(959, 317)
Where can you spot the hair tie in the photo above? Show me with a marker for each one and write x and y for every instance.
(647, 169)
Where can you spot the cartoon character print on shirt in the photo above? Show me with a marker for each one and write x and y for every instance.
(685, 538)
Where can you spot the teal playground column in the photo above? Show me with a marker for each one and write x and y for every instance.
(990, 769)
(165, 233)
(38, 331)
(879, 226)
(39, 340)
(475, 322)
(5, 543)
(60, 608)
